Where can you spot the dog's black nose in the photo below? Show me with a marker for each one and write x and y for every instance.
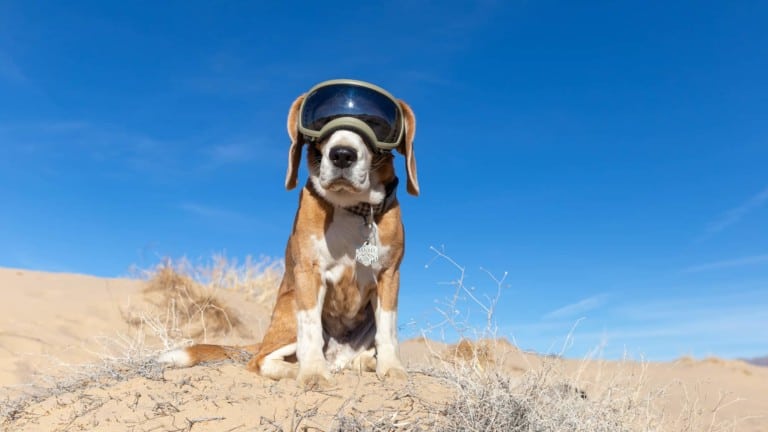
(342, 157)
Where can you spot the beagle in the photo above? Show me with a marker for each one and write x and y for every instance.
(337, 303)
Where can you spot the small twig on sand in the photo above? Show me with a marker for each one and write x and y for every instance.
(193, 421)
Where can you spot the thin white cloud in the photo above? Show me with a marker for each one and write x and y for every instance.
(701, 323)
(30, 257)
(216, 214)
(712, 321)
(726, 329)
(92, 139)
(725, 264)
(109, 148)
(699, 306)
(736, 214)
(577, 308)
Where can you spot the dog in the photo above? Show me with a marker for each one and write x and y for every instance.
(336, 306)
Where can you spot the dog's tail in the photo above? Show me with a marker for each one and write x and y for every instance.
(203, 353)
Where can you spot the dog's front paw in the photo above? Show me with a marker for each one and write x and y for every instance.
(314, 379)
(393, 371)
(365, 362)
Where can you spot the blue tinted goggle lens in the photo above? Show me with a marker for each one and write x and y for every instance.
(330, 102)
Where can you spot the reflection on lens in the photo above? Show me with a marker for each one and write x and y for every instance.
(330, 102)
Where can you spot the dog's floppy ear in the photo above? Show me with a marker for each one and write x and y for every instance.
(297, 141)
(406, 148)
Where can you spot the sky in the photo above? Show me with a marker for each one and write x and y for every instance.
(601, 166)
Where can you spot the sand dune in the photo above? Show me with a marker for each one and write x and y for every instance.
(60, 316)
(49, 323)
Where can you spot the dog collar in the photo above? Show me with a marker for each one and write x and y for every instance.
(367, 210)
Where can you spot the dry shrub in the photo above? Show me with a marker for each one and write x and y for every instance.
(480, 351)
(479, 354)
(187, 297)
(197, 310)
(259, 279)
(482, 403)
(544, 399)
(714, 361)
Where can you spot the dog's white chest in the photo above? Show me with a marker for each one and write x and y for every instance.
(339, 251)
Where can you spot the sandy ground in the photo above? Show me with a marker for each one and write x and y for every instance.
(50, 323)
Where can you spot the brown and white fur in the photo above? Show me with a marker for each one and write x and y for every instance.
(331, 311)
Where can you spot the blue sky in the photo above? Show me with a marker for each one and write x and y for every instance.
(609, 156)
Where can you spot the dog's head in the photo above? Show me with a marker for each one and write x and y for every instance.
(343, 168)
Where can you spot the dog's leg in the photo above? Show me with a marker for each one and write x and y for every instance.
(388, 363)
(279, 342)
(274, 365)
(313, 370)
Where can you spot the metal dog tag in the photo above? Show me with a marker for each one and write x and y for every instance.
(367, 254)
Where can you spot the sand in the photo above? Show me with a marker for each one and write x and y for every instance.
(52, 323)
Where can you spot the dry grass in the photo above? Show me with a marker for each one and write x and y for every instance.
(188, 297)
(546, 398)
(190, 305)
(480, 354)
(257, 278)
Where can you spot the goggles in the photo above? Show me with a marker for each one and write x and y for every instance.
(356, 105)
